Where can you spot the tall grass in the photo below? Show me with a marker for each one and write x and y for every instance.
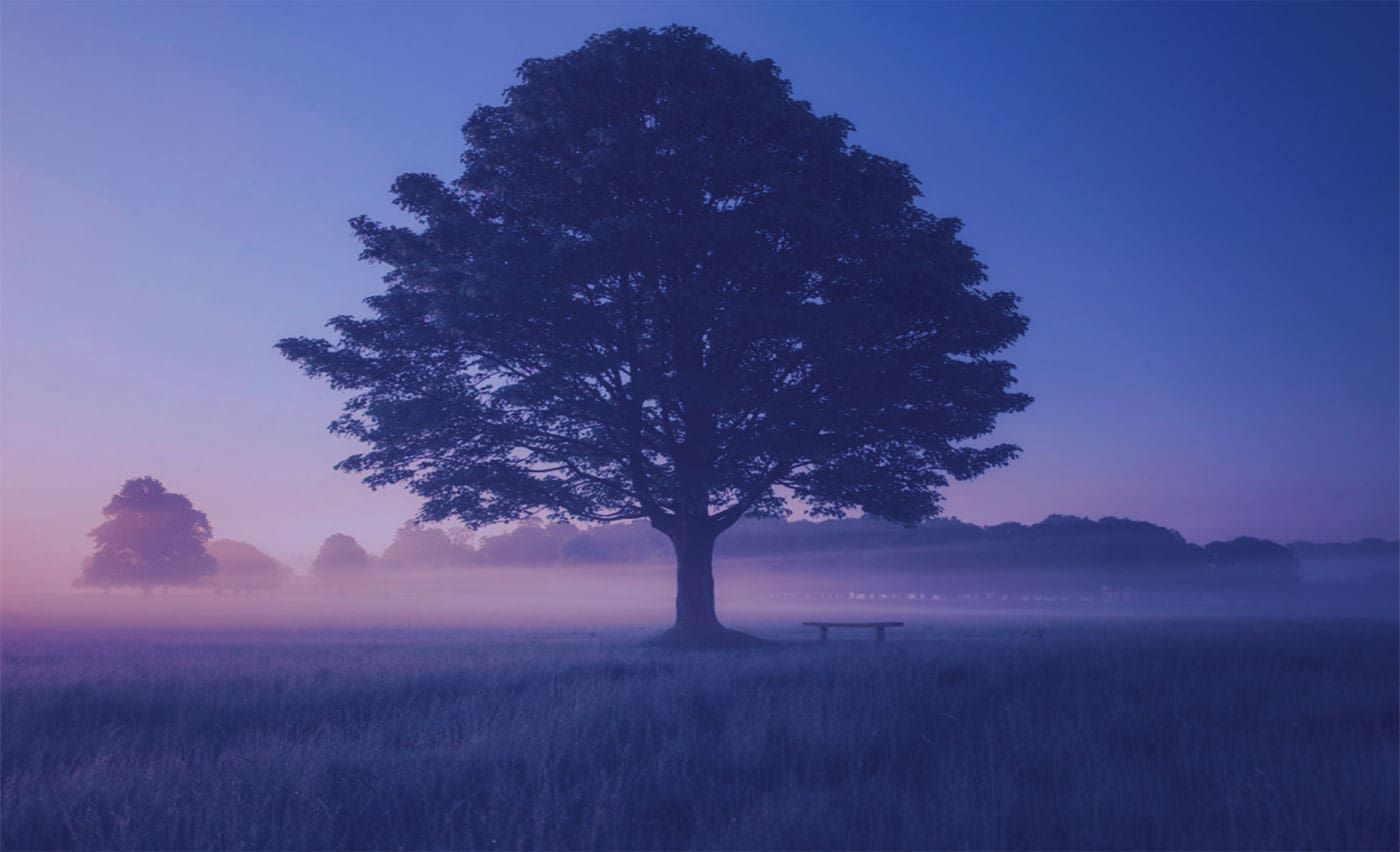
(1256, 735)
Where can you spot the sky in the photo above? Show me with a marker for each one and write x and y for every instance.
(1199, 205)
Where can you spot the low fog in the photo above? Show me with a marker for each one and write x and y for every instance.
(621, 576)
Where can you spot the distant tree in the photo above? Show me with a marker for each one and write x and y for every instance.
(1252, 560)
(1347, 561)
(630, 542)
(665, 289)
(242, 567)
(462, 538)
(583, 548)
(340, 561)
(418, 546)
(151, 537)
(530, 543)
(1106, 543)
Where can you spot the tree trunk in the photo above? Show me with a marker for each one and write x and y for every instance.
(695, 580)
(696, 623)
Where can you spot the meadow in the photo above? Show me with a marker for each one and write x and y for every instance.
(1153, 734)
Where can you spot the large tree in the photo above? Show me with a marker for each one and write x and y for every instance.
(663, 288)
(151, 537)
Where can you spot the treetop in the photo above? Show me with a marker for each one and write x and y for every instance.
(664, 288)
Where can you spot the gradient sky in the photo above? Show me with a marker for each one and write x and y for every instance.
(1196, 202)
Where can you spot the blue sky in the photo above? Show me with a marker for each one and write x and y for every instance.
(1196, 202)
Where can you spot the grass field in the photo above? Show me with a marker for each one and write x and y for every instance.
(1156, 734)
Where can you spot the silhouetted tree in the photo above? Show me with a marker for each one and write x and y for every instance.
(632, 541)
(151, 537)
(530, 543)
(1074, 542)
(661, 289)
(582, 548)
(242, 567)
(341, 560)
(1251, 559)
(1347, 561)
(415, 545)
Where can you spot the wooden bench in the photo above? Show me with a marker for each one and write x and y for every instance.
(878, 625)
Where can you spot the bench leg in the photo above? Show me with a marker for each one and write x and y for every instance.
(879, 634)
(823, 636)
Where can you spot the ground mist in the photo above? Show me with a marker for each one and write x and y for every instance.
(1154, 734)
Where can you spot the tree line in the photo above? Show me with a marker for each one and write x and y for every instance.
(154, 538)
(851, 546)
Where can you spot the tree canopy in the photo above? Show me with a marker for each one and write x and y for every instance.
(339, 559)
(1262, 559)
(418, 546)
(151, 537)
(664, 288)
(243, 567)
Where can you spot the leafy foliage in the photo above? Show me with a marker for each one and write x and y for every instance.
(664, 288)
(151, 537)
